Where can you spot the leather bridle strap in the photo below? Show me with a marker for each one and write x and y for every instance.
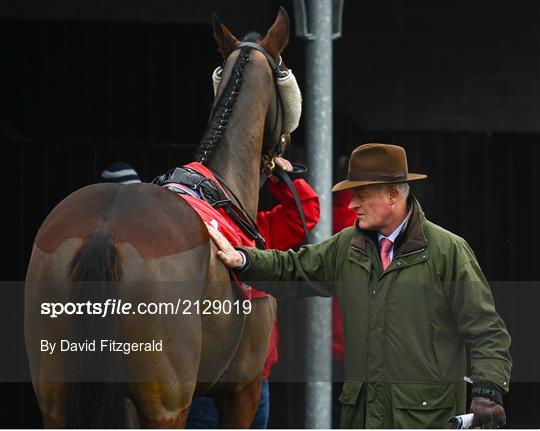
(287, 180)
(271, 61)
(241, 216)
(246, 223)
(277, 74)
(299, 172)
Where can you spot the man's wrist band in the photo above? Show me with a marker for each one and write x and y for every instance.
(244, 262)
(486, 391)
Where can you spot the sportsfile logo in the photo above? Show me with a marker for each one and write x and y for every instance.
(118, 307)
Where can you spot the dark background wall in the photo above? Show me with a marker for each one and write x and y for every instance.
(83, 84)
(446, 65)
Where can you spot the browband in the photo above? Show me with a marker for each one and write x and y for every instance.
(273, 64)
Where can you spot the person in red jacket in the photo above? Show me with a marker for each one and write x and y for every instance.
(282, 229)
(342, 217)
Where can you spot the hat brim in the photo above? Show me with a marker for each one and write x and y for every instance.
(349, 184)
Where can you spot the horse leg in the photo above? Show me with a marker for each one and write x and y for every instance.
(179, 422)
(237, 403)
(50, 398)
(163, 382)
(239, 392)
(44, 280)
(221, 332)
(161, 406)
(168, 423)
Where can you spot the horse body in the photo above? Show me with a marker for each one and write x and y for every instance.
(141, 242)
(157, 239)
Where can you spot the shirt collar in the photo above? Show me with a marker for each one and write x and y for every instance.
(392, 237)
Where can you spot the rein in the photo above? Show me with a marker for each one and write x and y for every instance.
(236, 211)
(247, 224)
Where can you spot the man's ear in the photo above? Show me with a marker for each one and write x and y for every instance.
(392, 193)
(224, 38)
(277, 37)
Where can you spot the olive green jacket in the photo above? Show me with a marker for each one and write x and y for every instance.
(407, 329)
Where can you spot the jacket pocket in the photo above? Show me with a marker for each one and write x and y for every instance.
(349, 393)
(422, 405)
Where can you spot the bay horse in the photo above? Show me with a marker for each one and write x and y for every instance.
(107, 240)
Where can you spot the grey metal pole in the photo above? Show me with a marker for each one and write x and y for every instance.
(319, 151)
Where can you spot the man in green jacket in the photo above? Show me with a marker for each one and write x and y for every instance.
(414, 301)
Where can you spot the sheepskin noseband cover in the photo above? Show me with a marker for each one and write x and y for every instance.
(290, 95)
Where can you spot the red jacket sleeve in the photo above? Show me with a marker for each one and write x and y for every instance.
(281, 227)
(342, 217)
(273, 355)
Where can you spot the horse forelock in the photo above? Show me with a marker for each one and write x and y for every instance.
(252, 37)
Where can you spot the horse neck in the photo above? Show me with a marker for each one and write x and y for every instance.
(237, 158)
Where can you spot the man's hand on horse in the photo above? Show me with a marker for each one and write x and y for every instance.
(283, 164)
(231, 257)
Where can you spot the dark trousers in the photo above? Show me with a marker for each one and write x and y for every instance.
(338, 376)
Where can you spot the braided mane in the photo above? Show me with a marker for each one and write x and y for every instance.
(217, 125)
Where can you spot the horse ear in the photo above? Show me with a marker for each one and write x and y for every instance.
(224, 38)
(277, 37)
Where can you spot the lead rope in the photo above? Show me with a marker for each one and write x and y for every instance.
(287, 180)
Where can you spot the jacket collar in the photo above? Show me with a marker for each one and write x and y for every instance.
(410, 239)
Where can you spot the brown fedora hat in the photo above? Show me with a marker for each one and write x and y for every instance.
(377, 164)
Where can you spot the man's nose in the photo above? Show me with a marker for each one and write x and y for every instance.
(353, 204)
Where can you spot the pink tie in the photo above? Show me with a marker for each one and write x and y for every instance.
(386, 246)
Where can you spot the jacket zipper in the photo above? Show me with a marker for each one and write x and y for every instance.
(385, 339)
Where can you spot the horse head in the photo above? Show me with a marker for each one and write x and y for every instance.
(257, 100)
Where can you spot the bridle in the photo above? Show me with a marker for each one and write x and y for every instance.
(268, 166)
(276, 71)
(267, 162)
(186, 180)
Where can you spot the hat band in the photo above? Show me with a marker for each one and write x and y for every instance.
(381, 176)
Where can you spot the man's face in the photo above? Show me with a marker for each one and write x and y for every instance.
(372, 205)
